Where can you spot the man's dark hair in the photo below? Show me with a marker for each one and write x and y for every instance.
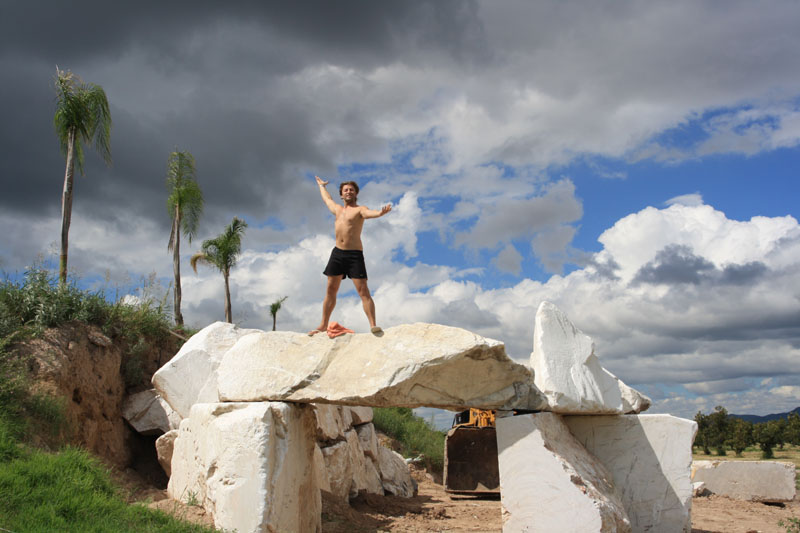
(353, 183)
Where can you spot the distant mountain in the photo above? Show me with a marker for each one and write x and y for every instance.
(766, 418)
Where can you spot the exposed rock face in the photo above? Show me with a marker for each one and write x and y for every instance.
(149, 414)
(649, 457)
(191, 376)
(250, 465)
(569, 374)
(548, 479)
(409, 366)
(80, 364)
(395, 477)
(757, 481)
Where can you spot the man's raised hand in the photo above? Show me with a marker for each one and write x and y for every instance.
(320, 181)
(385, 209)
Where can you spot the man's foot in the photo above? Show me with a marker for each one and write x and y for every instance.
(376, 330)
(315, 331)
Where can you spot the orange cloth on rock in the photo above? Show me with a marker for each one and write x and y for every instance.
(335, 329)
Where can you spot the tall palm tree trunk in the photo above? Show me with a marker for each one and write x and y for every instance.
(274, 321)
(228, 316)
(66, 208)
(176, 265)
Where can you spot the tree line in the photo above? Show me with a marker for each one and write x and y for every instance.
(83, 116)
(721, 432)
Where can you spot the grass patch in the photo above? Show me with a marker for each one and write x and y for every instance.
(416, 436)
(68, 492)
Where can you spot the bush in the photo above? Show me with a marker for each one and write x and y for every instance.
(416, 436)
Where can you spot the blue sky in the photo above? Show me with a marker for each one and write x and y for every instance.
(579, 154)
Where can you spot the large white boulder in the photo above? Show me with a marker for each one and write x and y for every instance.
(395, 476)
(411, 365)
(758, 481)
(165, 445)
(149, 414)
(569, 374)
(365, 475)
(548, 480)
(333, 421)
(649, 457)
(339, 468)
(191, 376)
(250, 465)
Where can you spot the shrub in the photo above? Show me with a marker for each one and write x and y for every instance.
(416, 436)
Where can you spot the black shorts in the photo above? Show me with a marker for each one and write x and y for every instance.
(347, 263)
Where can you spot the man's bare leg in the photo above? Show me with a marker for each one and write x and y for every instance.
(366, 302)
(329, 303)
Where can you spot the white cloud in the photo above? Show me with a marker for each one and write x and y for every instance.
(690, 200)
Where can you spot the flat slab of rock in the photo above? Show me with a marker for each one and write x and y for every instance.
(569, 374)
(649, 457)
(757, 481)
(250, 465)
(149, 414)
(191, 376)
(411, 365)
(549, 482)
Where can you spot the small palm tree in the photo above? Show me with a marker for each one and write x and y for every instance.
(82, 116)
(223, 252)
(274, 308)
(185, 205)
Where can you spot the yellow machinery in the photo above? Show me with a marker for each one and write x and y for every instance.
(470, 454)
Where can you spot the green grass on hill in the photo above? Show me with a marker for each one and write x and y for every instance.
(416, 436)
(68, 491)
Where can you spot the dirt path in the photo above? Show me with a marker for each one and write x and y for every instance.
(435, 510)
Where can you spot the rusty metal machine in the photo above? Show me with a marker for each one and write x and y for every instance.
(470, 454)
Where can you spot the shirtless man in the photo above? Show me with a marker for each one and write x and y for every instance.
(347, 258)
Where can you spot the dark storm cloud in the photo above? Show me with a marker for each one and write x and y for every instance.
(677, 264)
(166, 53)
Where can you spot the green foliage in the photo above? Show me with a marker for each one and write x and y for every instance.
(791, 524)
(274, 308)
(792, 430)
(702, 438)
(740, 435)
(416, 436)
(767, 435)
(223, 250)
(185, 200)
(718, 429)
(82, 110)
(69, 492)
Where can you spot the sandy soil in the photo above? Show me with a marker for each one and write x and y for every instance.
(435, 510)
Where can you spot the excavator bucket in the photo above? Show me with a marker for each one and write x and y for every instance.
(470, 460)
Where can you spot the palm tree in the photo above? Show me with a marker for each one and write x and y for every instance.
(274, 308)
(82, 116)
(185, 205)
(223, 252)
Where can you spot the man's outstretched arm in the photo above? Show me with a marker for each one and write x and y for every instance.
(371, 213)
(326, 196)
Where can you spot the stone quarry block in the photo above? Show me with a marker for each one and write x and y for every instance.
(365, 475)
(757, 481)
(149, 414)
(320, 470)
(361, 415)
(548, 479)
(250, 465)
(191, 376)
(165, 445)
(569, 374)
(339, 466)
(368, 439)
(410, 366)
(331, 425)
(649, 457)
(395, 477)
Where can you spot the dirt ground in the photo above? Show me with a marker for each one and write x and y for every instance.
(435, 510)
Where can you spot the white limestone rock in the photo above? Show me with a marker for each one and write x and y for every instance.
(149, 414)
(320, 470)
(365, 475)
(649, 457)
(165, 445)
(395, 476)
(368, 439)
(569, 374)
(332, 421)
(548, 479)
(756, 481)
(410, 366)
(361, 415)
(250, 465)
(339, 467)
(191, 376)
